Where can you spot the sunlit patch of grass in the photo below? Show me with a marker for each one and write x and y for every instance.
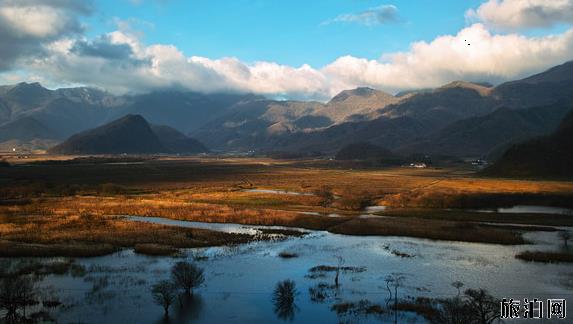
(42, 211)
(57, 234)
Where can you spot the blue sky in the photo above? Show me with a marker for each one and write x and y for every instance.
(283, 49)
(288, 32)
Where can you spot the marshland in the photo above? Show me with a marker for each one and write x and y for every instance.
(95, 235)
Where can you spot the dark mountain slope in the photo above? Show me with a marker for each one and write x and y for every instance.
(384, 132)
(363, 151)
(478, 136)
(26, 129)
(413, 122)
(25, 96)
(180, 109)
(130, 134)
(545, 88)
(177, 142)
(550, 156)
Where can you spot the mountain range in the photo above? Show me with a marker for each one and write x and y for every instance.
(459, 119)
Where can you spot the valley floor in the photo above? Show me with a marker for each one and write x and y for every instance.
(60, 207)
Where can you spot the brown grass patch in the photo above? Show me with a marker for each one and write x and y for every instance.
(42, 205)
(155, 249)
(469, 216)
(90, 235)
(430, 229)
(18, 249)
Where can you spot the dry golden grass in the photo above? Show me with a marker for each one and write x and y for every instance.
(41, 209)
(430, 229)
(88, 235)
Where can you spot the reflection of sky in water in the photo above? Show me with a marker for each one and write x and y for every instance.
(240, 280)
(523, 209)
(278, 192)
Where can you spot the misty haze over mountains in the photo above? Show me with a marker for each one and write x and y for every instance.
(459, 119)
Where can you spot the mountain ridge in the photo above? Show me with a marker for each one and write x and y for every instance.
(246, 122)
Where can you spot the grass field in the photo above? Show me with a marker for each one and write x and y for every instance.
(71, 207)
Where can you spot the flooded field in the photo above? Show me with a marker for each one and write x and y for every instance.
(196, 211)
(239, 280)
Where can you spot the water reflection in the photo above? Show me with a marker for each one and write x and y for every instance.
(187, 309)
(242, 279)
(284, 300)
(527, 209)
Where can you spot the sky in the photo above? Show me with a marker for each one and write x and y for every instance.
(284, 49)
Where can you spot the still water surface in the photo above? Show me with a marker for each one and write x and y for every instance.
(240, 280)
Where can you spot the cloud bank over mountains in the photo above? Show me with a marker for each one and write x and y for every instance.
(50, 43)
(523, 14)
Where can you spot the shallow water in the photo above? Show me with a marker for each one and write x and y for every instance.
(219, 227)
(240, 280)
(374, 209)
(279, 192)
(523, 209)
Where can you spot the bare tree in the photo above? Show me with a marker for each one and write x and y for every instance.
(484, 307)
(164, 294)
(283, 299)
(16, 293)
(565, 236)
(452, 311)
(458, 285)
(339, 265)
(476, 307)
(187, 276)
(388, 281)
(395, 280)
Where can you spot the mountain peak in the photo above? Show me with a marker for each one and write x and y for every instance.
(482, 88)
(30, 84)
(363, 92)
(136, 118)
(128, 134)
(25, 86)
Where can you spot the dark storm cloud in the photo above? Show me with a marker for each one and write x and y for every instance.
(84, 7)
(27, 25)
(102, 47)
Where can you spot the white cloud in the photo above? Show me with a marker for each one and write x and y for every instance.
(119, 61)
(373, 16)
(522, 14)
(488, 57)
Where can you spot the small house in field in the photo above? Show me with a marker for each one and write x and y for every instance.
(418, 165)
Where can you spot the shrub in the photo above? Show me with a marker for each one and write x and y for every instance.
(187, 276)
(164, 294)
